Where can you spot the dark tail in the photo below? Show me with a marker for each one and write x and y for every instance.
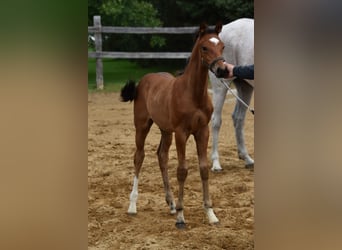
(128, 92)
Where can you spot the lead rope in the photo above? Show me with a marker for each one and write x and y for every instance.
(237, 97)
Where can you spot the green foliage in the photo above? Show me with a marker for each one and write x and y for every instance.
(129, 13)
(133, 13)
(168, 13)
(212, 11)
(234, 9)
(157, 42)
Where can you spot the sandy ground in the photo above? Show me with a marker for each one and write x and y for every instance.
(110, 177)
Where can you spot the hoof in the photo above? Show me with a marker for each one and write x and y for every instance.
(180, 225)
(131, 214)
(173, 211)
(216, 166)
(250, 166)
(215, 223)
(215, 170)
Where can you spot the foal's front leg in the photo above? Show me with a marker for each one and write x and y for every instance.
(182, 172)
(201, 138)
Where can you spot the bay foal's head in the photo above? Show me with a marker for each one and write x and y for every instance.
(210, 49)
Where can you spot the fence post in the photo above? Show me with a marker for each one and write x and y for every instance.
(98, 48)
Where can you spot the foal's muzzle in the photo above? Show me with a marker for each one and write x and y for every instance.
(219, 72)
(222, 73)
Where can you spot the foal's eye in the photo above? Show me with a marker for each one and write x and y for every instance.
(204, 48)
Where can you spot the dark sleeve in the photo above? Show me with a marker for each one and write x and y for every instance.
(244, 72)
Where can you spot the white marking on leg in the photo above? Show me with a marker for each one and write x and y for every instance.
(180, 216)
(211, 215)
(214, 40)
(133, 197)
(173, 208)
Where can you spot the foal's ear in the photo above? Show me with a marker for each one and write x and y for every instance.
(202, 29)
(218, 27)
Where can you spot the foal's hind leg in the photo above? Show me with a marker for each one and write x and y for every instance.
(163, 157)
(140, 136)
(245, 92)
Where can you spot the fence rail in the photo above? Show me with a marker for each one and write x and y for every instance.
(139, 55)
(142, 30)
(98, 30)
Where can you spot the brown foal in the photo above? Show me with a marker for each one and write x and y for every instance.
(179, 105)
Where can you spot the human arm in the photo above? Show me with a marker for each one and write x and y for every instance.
(241, 71)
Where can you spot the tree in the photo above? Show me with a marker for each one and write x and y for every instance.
(167, 13)
(127, 13)
(192, 13)
(213, 10)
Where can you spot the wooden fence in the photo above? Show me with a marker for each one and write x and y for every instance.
(98, 30)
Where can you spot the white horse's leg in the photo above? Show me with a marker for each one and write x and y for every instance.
(245, 93)
(219, 96)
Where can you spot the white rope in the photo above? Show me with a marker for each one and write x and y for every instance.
(237, 97)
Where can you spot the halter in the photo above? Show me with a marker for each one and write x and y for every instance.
(212, 64)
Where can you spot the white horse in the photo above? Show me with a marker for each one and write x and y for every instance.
(238, 37)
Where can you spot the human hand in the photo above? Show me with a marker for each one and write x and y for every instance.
(230, 68)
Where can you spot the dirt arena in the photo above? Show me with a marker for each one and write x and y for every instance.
(110, 178)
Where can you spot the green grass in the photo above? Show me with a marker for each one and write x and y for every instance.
(116, 72)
